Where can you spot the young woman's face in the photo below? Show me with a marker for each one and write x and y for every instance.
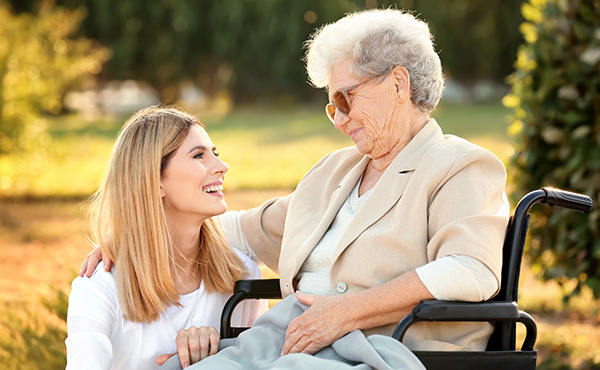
(192, 183)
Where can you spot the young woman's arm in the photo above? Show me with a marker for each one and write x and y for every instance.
(90, 320)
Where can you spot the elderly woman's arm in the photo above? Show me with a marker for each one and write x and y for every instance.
(459, 278)
(453, 277)
(331, 317)
(231, 223)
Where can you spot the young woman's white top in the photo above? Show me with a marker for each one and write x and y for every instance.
(100, 338)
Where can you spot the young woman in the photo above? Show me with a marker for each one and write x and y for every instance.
(173, 269)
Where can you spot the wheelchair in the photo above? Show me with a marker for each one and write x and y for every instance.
(501, 311)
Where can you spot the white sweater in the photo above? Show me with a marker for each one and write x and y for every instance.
(101, 338)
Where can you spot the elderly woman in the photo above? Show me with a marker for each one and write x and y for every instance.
(406, 214)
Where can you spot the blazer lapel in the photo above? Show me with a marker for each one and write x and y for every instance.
(383, 197)
(390, 187)
(338, 197)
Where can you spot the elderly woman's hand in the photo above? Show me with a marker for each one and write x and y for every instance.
(321, 324)
(92, 260)
(194, 344)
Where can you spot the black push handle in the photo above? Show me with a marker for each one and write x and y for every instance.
(566, 199)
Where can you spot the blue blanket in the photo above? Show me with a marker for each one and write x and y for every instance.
(260, 347)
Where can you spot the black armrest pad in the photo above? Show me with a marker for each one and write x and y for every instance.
(260, 288)
(246, 289)
(434, 310)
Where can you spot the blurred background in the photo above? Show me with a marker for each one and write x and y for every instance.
(523, 80)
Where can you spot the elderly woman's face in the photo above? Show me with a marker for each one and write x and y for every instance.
(373, 121)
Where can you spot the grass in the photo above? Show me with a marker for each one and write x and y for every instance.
(43, 245)
(265, 149)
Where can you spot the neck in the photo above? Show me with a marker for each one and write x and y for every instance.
(185, 235)
(416, 121)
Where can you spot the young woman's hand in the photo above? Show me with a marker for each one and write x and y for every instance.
(193, 345)
(92, 260)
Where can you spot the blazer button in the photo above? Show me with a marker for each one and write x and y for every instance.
(341, 287)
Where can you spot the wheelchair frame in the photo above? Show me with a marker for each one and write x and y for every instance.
(502, 310)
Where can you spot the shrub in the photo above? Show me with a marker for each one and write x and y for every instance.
(39, 62)
(556, 118)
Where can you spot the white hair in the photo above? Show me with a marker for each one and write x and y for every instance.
(375, 41)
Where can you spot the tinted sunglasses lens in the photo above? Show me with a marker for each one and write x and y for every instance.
(342, 102)
(330, 109)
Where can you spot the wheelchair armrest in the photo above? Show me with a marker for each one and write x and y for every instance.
(434, 310)
(258, 288)
(247, 289)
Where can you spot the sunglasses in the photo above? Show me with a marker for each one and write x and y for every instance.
(341, 100)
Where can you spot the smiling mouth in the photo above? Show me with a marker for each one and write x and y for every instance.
(353, 132)
(213, 189)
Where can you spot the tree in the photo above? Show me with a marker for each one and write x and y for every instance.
(555, 97)
(476, 40)
(227, 45)
(248, 46)
(39, 62)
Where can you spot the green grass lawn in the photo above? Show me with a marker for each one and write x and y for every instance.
(268, 152)
(265, 148)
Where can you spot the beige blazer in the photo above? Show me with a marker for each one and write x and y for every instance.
(440, 196)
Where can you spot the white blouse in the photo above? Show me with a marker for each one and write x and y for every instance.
(101, 338)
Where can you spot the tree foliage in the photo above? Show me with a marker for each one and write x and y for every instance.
(39, 62)
(248, 46)
(235, 45)
(556, 101)
(476, 40)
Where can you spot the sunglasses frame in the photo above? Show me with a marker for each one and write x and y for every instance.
(330, 108)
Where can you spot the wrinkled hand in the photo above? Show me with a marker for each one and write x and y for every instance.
(320, 325)
(92, 260)
(193, 344)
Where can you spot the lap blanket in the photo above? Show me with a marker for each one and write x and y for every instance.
(260, 347)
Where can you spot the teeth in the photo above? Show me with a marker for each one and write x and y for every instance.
(213, 189)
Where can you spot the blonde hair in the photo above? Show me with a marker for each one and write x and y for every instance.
(128, 219)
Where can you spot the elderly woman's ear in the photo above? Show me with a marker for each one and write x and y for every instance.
(402, 83)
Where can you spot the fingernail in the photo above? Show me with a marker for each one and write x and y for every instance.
(185, 364)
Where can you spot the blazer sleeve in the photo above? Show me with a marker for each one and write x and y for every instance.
(468, 211)
(264, 226)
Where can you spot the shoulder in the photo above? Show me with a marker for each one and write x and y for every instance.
(349, 155)
(453, 153)
(95, 297)
(100, 281)
(458, 146)
(251, 266)
(335, 164)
